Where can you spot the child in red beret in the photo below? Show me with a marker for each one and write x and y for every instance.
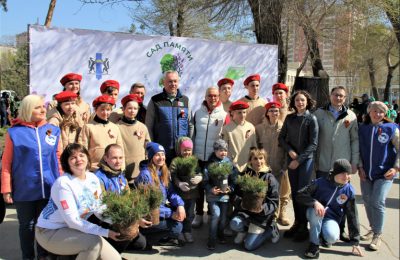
(239, 134)
(100, 132)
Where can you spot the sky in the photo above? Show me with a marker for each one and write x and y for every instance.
(67, 14)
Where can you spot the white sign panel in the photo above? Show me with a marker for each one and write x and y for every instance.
(130, 58)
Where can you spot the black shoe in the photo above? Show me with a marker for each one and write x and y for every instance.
(292, 231)
(344, 237)
(169, 241)
(211, 244)
(312, 251)
(221, 237)
(324, 243)
(301, 235)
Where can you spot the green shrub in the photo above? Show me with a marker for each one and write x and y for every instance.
(219, 170)
(126, 208)
(185, 166)
(151, 194)
(251, 184)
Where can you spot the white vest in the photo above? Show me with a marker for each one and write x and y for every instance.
(207, 129)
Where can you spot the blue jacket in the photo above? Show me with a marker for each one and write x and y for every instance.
(35, 163)
(112, 183)
(168, 192)
(172, 120)
(377, 152)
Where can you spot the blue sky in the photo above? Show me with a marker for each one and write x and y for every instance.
(67, 14)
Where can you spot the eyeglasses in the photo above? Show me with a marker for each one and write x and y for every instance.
(339, 95)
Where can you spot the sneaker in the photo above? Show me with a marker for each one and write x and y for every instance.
(312, 251)
(292, 231)
(211, 244)
(239, 237)
(376, 242)
(169, 241)
(275, 233)
(324, 243)
(344, 237)
(197, 221)
(188, 237)
(367, 236)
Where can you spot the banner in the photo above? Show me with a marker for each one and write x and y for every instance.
(129, 58)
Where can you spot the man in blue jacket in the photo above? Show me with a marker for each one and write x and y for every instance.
(168, 115)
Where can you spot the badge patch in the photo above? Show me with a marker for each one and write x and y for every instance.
(341, 199)
(383, 138)
(64, 204)
(51, 139)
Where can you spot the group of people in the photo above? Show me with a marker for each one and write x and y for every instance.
(59, 160)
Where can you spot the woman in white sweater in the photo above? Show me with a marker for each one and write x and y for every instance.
(62, 226)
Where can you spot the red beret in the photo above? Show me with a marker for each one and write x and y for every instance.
(272, 105)
(251, 78)
(109, 83)
(70, 77)
(225, 81)
(131, 97)
(66, 96)
(279, 86)
(103, 99)
(238, 105)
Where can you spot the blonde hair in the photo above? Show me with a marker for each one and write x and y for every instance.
(28, 103)
(255, 152)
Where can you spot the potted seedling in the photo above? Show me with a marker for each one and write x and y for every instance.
(154, 197)
(185, 168)
(254, 191)
(125, 210)
(218, 174)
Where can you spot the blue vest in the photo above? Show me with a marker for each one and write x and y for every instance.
(171, 121)
(333, 197)
(35, 163)
(376, 149)
(114, 184)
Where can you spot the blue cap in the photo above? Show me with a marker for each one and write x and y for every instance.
(153, 148)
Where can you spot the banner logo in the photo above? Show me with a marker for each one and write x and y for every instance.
(99, 66)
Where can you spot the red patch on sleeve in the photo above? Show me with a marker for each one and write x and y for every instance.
(64, 204)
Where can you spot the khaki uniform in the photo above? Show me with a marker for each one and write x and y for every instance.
(256, 110)
(96, 136)
(70, 128)
(240, 139)
(134, 136)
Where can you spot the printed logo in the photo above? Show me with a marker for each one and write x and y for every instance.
(341, 199)
(50, 139)
(98, 66)
(64, 204)
(383, 138)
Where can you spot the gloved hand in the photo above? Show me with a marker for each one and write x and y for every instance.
(184, 186)
(196, 179)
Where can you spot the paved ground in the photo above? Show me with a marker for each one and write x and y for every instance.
(284, 249)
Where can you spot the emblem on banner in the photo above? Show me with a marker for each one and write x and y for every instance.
(99, 66)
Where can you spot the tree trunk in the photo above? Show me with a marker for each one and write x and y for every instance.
(50, 12)
(267, 28)
(180, 20)
(171, 28)
(371, 71)
(313, 47)
(395, 21)
(388, 85)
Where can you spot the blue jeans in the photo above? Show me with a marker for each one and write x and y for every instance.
(374, 194)
(252, 241)
(329, 228)
(218, 218)
(172, 227)
(189, 208)
(299, 178)
(28, 213)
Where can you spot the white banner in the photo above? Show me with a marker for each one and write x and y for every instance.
(130, 58)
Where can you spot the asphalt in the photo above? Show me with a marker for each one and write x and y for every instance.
(284, 249)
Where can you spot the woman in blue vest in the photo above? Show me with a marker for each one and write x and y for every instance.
(30, 167)
(379, 152)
